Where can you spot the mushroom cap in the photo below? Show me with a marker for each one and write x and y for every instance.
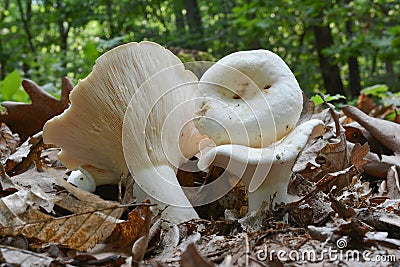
(264, 171)
(248, 98)
(89, 132)
(83, 180)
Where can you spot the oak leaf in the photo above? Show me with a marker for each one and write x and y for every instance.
(28, 119)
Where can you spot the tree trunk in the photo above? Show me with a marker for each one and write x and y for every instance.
(179, 20)
(25, 18)
(193, 18)
(352, 61)
(3, 59)
(330, 71)
(354, 76)
(63, 30)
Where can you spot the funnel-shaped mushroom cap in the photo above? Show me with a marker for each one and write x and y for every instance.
(265, 171)
(248, 92)
(90, 130)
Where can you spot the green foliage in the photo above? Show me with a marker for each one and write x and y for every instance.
(10, 88)
(379, 90)
(317, 99)
(380, 94)
(68, 36)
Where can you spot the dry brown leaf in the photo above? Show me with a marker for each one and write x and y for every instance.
(386, 132)
(11, 256)
(139, 247)
(76, 200)
(354, 228)
(5, 180)
(358, 154)
(28, 119)
(336, 154)
(192, 258)
(137, 225)
(44, 179)
(355, 133)
(365, 103)
(393, 183)
(27, 154)
(341, 209)
(8, 141)
(79, 231)
(18, 203)
(92, 221)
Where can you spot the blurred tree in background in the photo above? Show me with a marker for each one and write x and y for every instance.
(337, 46)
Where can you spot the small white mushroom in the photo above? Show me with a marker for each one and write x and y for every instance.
(249, 106)
(82, 179)
(89, 132)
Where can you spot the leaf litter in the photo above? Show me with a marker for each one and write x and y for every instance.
(349, 200)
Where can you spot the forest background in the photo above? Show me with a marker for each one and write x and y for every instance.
(336, 47)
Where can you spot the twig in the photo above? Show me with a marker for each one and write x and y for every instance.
(333, 114)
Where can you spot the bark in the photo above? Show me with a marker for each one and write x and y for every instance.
(354, 76)
(3, 60)
(193, 19)
(179, 20)
(63, 30)
(25, 18)
(352, 61)
(329, 70)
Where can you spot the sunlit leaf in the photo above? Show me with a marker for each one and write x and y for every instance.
(9, 86)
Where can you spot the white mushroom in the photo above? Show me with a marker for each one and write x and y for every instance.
(250, 103)
(248, 92)
(82, 179)
(90, 130)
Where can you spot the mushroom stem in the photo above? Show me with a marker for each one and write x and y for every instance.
(161, 184)
(265, 171)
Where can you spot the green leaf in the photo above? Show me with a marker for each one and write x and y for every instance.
(9, 86)
(317, 99)
(376, 90)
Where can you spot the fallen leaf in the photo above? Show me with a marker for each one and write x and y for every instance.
(28, 119)
(81, 231)
(137, 225)
(341, 209)
(381, 237)
(8, 141)
(386, 132)
(27, 154)
(365, 103)
(5, 180)
(192, 258)
(393, 183)
(45, 180)
(11, 256)
(358, 154)
(336, 154)
(355, 133)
